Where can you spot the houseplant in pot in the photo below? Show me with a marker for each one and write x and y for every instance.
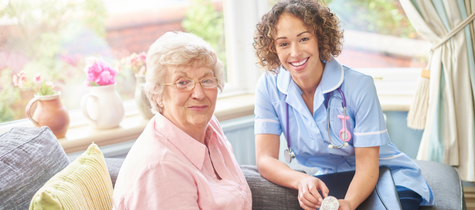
(137, 64)
(49, 110)
(102, 106)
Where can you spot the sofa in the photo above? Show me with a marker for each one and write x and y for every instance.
(31, 157)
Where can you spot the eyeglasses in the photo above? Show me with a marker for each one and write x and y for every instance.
(188, 84)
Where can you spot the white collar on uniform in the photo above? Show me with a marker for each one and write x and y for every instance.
(332, 78)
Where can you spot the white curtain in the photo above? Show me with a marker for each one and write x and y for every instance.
(449, 128)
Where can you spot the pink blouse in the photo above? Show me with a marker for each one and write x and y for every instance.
(168, 169)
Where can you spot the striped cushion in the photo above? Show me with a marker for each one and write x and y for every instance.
(84, 184)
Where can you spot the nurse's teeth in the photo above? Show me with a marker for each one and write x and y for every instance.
(299, 63)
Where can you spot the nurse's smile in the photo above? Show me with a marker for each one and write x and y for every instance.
(299, 65)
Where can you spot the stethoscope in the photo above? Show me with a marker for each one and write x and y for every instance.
(344, 134)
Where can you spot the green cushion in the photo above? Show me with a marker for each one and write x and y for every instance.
(84, 184)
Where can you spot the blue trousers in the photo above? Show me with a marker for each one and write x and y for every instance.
(409, 199)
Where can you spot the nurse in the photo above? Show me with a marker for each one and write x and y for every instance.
(329, 113)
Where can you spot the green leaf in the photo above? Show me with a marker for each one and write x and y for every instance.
(92, 83)
(46, 90)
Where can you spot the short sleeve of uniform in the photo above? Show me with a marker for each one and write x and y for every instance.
(266, 121)
(370, 127)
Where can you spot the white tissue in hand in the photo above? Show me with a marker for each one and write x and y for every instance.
(330, 203)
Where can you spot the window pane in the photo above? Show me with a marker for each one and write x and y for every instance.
(54, 38)
(378, 34)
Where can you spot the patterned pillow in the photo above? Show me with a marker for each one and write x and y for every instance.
(29, 157)
(84, 184)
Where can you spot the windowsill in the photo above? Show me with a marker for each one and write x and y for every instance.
(395, 103)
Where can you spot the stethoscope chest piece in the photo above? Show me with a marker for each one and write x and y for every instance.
(332, 146)
(289, 155)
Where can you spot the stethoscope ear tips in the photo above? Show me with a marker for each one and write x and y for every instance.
(345, 144)
(330, 146)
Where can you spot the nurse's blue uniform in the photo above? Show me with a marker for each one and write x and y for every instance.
(309, 133)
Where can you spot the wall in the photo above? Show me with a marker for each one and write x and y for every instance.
(406, 139)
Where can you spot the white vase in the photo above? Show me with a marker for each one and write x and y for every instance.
(103, 107)
(141, 98)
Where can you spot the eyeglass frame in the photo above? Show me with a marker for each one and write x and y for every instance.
(194, 84)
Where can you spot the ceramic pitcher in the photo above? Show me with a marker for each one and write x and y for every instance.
(49, 112)
(141, 99)
(103, 107)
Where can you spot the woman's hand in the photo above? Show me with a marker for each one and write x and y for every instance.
(309, 198)
(344, 205)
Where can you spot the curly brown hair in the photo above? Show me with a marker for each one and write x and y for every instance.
(315, 15)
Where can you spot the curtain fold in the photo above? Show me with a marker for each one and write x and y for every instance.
(449, 129)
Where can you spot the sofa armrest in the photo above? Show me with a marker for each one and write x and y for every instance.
(267, 195)
(445, 182)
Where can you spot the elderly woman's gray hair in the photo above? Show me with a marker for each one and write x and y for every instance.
(177, 49)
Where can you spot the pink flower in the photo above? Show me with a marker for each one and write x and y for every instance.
(38, 78)
(99, 72)
(19, 79)
(49, 84)
(143, 56)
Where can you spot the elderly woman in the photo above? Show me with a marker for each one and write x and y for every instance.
(182, 160)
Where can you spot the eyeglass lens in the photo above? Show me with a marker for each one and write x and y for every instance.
(188, 84)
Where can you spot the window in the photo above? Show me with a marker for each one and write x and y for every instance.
(55, 37)
(55, 40)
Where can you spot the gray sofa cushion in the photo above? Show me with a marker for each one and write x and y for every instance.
(445, 182)
(28, 158)
(113, 165)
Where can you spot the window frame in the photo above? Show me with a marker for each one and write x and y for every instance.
(240, 17)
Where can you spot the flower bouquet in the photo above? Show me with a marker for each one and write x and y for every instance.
(99, 73)
(41, 88)
(136, 63)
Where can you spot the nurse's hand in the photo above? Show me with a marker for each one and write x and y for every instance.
(309, 198)
(344, 205)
